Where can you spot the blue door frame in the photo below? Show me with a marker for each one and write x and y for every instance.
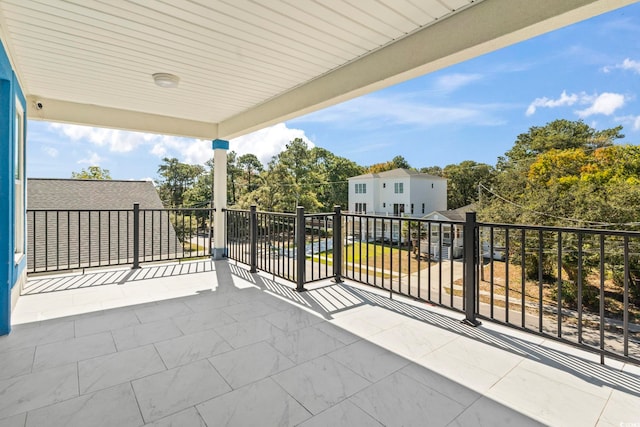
(11, 269)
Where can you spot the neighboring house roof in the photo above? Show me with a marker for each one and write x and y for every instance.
(74, 223)
(46, 193)
(454, 214)
(398, 173)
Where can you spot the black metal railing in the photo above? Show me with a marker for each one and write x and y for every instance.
(580, 286)
(77, 239)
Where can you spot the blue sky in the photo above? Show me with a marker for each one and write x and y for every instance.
(470, 111)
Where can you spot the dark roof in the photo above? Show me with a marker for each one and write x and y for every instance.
(45, 193)
(457, 214)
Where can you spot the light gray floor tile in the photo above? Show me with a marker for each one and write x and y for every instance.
(202, 320)
(305, 344)
(16, 362)
(27, 392)
(320, 383)
(412, 339)
(251, 331)
(189, 348)
(337, 332)
(248, 310)
(210, 301)
(263, 403)
(174, 390)
(344, 414)
(187, 418)
(292, 319)
(621, 409)
(106, 371)
(489, 413)
(14, 420)
(251, 363)
(452, 389)
(73, 350)
(114, 406)
(112, 319)
(527, 392)
(399, 400)
(369, 360)
(459, 370)
(146, 333)
(36, 335)
(162, 310)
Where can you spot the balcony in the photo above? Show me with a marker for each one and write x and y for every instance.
(203, 342)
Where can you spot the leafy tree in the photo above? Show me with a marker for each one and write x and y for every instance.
(251, 167)
(176, 178)
(398, 162)
(463, 180)
(432, 170)
(92, 172)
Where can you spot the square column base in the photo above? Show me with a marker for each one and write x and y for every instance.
(218, 253)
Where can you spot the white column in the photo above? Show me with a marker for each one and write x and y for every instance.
(220, 148)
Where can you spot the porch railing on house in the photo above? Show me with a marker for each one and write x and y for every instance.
(580, 286)
(77, 239)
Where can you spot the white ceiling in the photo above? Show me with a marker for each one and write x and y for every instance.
(247, 64)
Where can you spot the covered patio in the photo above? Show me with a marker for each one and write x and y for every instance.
(207, 343)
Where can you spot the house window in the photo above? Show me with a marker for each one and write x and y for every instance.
(361, 188)
(398, 187)
(384, 185)
(411, 208)
(18, 164)
(432, 185)
(423, 208)
(398, 208)
(384, 205)
(361, 208)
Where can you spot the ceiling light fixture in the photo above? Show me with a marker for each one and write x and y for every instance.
(166, 79)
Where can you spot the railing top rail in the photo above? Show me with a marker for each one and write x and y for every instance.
(80, 210)
(178, 209)
(562, 229)
(309, 215)
(286, 214)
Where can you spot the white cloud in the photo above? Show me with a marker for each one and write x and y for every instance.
(564, 100)
(452, 82)
(187, 150)
(606, 103)
(636, 123)
(627, 64)
(52, 152)
(93, 160)
(267, 142)
(116, 140)
(264, 143)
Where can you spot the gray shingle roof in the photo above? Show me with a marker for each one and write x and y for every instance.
(86, 223)
(90, 194)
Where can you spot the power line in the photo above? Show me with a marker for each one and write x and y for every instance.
(592, 223)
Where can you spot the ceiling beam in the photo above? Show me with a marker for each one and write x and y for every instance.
(484, 27)
(94, 115)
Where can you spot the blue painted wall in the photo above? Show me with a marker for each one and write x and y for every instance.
(9, 271)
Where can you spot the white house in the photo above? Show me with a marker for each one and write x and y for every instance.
(395, 193)
(398, 192)
(452, 234)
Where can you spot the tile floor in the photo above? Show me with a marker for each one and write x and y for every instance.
(223, 347)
